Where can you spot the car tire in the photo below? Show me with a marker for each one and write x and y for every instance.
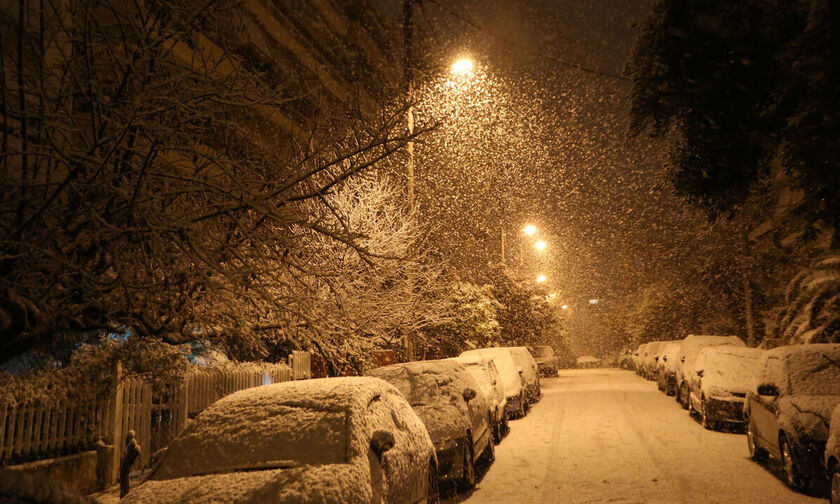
(834, 492)
(756, 453)
(467, 481)
(433, 491)
(793, 476)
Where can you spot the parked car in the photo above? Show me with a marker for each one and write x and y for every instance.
(530, 371)
(641, 354)
(666, 365)
(330, 440)
(832, 456)
(546, 360)
(516, 404)
(637, 357)
(719, 382)
(588, 362)
(451, 405)
(649, 362)
(487, 376)
(689, 350)
(790, 409)
(625, 358)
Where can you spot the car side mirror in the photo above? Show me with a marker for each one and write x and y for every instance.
(700, 373)
(381, 442)
(682, 359)
(468, 394)
(664, 359)
(768, 389)
(493, 382)
(519, 370)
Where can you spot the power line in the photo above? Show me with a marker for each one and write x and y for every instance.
(527, 49)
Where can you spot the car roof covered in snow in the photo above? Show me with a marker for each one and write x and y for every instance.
(283, 424)
(504, 364)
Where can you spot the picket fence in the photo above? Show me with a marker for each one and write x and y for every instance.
(46, 429)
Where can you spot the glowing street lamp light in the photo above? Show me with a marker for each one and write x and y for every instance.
(530, 229)
(565, 307)
(541, 278)
(463, 66)
(540, 245)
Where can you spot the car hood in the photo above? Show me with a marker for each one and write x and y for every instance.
(443, 421)
(807, 415)
(544, 360)
(306, 485)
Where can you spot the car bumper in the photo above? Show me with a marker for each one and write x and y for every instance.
(726, 410)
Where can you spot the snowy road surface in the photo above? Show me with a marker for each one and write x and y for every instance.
(605, 435)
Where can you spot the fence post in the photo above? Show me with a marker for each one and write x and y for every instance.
(115, 433)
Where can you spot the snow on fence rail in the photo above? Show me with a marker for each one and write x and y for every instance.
(41, 429)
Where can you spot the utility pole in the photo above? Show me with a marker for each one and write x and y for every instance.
(408, 36)
(502, 229)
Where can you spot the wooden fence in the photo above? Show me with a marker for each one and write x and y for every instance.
(30, 430)
(47, 429)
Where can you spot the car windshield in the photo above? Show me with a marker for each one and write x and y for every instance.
(257, 436)
(420, 388)
(815, 374)
(731, 371)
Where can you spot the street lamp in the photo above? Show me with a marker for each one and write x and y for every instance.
(541, 278)
(463, 66)
(530, 229)
(540, 245)
(565, 307)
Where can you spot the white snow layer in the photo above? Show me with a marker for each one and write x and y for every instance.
(504, 363)
(728, 369)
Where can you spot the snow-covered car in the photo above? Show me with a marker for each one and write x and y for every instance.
(587, 362)
(487, 376)
(666, 378)
(454, 409)
(790, 409)
(625, 358)
(651, 355)
(546, 360)
(689, 350)
(636, 357)
(330, 440)
(530, 371)
(719, 382)
(516, 404)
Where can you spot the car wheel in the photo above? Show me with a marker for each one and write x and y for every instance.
(834, 495)
(704, 416)
(756, 453)
(793, 477)
(433, 492)
(467, 481)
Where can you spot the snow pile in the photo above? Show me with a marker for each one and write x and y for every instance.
(504, 364)
(728, 370)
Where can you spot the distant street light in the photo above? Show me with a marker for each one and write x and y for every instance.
(565, 307)
(541, 278)
(530, 229)
(463, 66)
(540, 245)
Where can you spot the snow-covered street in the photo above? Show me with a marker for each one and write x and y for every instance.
(607, 435)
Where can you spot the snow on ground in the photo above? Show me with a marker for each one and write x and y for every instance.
(605, 435)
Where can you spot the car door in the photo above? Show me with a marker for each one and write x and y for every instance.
(764, 408)
(390, 470)
(478, 410)
(410, 434)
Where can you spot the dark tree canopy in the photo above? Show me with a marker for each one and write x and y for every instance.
(736, 86)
